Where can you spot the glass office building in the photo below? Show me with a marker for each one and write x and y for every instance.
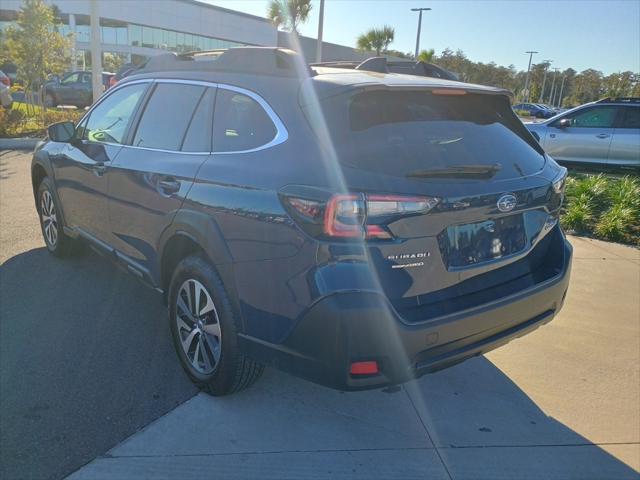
(132, 31)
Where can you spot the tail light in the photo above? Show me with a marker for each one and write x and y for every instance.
(6, 81)
(355, 215)
(112, 81)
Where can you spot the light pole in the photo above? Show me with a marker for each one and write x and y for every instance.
(526, 82)
(419, 28)
(96, 50)
(561, 89)
(553, 86)
(544, 79)
(320, 27)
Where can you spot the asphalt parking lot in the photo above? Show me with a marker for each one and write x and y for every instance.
(86, 362)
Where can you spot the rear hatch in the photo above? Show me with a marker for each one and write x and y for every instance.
(449, 183)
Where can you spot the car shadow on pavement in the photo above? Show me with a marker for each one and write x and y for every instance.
(86, 360)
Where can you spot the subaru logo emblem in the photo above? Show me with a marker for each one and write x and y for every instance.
(507, 202)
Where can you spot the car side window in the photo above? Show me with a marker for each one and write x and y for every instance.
(108, 121)
(70, 79)
(167, 116)
(198, 136)
(240, 123)
(631, 118)
(594, 117)
(85, 78)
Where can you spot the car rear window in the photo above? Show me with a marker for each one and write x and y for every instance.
(399, 132)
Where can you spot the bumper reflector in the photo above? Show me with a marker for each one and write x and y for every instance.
(364, 368)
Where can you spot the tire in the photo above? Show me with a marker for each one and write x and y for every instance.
(49, 101)
(213, 332)
(57, 242)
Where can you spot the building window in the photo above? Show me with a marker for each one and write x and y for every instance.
(147, 37)
(135, 35)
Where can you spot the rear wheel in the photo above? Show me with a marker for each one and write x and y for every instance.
(57, 242)
(205, 331)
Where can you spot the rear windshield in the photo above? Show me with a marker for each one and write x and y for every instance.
(399, 132)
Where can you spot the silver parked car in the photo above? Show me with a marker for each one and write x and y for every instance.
(606, 133)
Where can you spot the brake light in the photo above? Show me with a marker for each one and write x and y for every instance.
(356, 215)
(364, 368)
(448, 91)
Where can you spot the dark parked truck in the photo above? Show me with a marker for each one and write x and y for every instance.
(356, 229)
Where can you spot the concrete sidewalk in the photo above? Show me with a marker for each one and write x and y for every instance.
(562, 402)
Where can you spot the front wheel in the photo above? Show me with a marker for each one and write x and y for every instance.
(57, 242)
(205, 330)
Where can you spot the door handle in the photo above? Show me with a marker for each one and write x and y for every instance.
(99, 169)
(603, 135)
(169, 186)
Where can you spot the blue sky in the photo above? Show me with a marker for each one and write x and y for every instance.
(573, 33)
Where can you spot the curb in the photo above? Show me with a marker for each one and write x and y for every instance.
(19, 143)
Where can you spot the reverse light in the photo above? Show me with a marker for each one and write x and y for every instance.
(344, 216)
(559, 181)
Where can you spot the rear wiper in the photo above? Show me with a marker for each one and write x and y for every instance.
(471, 171)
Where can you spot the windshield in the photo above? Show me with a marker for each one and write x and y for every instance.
(399, 132)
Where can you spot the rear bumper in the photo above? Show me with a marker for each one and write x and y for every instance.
(361, 326)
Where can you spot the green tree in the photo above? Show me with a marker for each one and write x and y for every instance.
(620, 84)
(377, 39)
(111, 62)
(35, 45)
(587, 86)
(427, 55)
(289, 14)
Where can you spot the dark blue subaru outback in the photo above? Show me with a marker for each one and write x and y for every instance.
(357, 229)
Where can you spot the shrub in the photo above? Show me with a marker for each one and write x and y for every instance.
(607, 207)
(578, 214)
(11, 121)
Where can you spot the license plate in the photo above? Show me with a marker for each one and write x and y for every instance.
(474, 243)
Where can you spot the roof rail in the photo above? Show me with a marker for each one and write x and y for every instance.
(371, 64)
(374, 64)
(619, 100)
(252, 60)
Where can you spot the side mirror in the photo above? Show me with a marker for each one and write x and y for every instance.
(564, 123)
(61, 132)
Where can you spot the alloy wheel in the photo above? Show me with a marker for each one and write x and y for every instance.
(49, 218)
(198, 326)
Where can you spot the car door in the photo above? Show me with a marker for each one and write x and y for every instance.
(586, 139)
(83, 91)
(153, 174)
(82, 165)
(64, 90)
(625, 146)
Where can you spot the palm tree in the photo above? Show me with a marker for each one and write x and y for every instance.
(426, 56)
(289, 14)
(377, 39)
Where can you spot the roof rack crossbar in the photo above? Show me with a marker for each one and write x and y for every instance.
(251, 60)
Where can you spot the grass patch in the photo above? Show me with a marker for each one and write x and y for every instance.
(604, 207)
(24, 120)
